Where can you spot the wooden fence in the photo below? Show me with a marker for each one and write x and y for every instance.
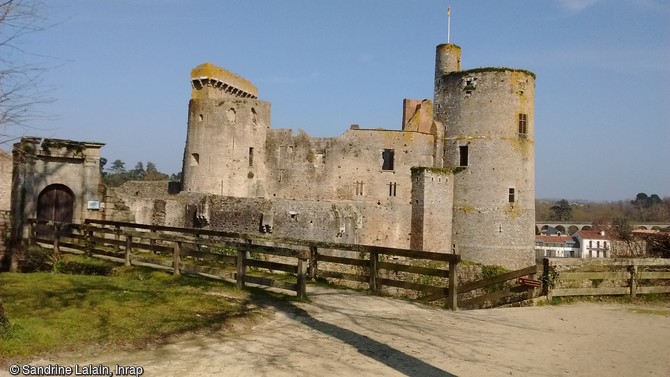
(375, 266)
(138, 244)
(507, 288)
(596, 277)
(289, 263)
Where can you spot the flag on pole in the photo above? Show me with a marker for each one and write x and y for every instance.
(448, 24)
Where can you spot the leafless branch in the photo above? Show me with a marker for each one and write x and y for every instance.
(20, 79)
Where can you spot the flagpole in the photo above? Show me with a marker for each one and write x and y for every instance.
(448, 24)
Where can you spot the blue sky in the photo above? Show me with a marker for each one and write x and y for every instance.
(602, 107)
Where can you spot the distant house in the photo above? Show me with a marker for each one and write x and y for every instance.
(593, 244)
(555, 246)
(582, 244)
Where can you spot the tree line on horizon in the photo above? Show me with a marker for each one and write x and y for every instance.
(644, 208)
(116, 174)
(616, 217)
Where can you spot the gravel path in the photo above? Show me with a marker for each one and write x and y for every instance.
(345, 333)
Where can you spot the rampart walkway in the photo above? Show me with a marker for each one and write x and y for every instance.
(345, 333)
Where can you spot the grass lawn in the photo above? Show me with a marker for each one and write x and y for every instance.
(134, 306)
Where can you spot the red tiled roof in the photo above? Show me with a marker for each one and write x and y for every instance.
(592, 235)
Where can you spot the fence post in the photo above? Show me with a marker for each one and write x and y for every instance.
(312, 269)
(117, 237)
(302, 271)
(531, 289)
(129, 248)
(90, 237)
(546, 268)
(633, 280)
(176, 260)
(152, 240)
(374, 258)
(452, 300)
(57, 240)
(240, 268)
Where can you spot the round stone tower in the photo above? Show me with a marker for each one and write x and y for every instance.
(488, 115)
(227, 127)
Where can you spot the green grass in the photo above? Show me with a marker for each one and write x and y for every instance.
(622, 299)
(133, 307)
(662, 313)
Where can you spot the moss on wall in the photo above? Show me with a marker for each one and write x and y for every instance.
(489, 69)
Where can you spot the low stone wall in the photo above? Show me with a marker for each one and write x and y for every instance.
(332, 221)
(5, 180)
(5, 229)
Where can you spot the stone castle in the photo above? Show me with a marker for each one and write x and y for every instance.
(458, 177)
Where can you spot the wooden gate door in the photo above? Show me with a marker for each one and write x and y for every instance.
(55, 203)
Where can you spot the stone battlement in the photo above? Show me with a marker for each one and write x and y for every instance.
(226, 83)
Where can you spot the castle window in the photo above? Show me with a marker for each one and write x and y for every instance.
(359, 188)
(251, 156)
(387, 157)
(392, 188)
(195, 159)
(470, 83)
(511, 195)
(231, 115)
(463, 155)
(523, 124)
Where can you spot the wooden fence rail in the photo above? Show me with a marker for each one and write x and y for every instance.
(143, 248)
(254, 259)
(595, 277)
(372, 259)
(377, 265)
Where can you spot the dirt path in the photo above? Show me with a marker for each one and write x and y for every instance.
(344, 333)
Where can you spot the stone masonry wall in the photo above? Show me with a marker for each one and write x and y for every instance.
(225, 147)
(146, 202)
(332, 221)
(5, 231)
(494, 195)
(5, 180)
(432, 206)
(348, 167)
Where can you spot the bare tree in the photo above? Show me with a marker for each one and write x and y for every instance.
(20, 74)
